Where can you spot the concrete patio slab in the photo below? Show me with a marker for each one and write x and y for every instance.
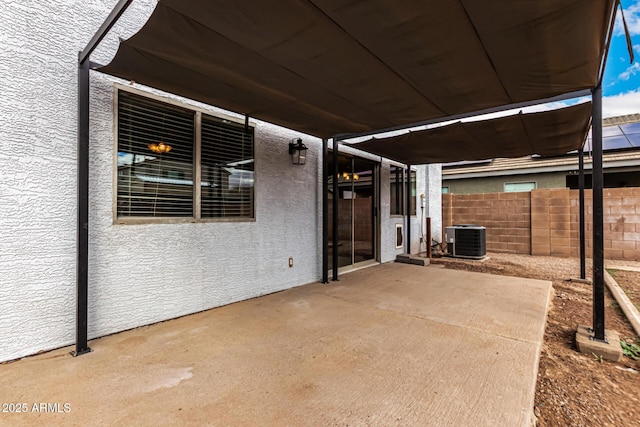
(395, 344)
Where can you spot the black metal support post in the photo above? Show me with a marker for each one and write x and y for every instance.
(325, 210)
(583, 266)
(336, 196)
(82, 287)
(598, 217)
(82, 256)
(408, 206)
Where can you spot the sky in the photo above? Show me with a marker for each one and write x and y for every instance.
(621, 84)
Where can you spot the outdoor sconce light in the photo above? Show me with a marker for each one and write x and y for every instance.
(298, 152)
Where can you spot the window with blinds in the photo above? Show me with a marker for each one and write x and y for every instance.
(398, 192)
(227, 169)
(156, 168)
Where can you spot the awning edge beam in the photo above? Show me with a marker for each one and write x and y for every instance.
(108, 23)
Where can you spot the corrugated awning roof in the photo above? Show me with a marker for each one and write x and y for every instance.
(548, 133)
(330, 67)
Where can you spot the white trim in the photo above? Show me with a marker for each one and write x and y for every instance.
(395, 236)
(357, 266)
(504, 186)
(351, 151)
(143, 220)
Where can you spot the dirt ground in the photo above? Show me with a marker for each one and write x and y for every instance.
(629, 281)
(574, 389)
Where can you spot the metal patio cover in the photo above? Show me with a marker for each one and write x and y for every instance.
(335, 67)
(548, 133)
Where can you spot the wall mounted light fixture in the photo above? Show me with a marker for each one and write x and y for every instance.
(298, 152)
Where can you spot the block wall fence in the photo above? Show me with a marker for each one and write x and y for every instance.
(546, 222)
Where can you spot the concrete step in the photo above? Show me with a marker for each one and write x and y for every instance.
(412, 259)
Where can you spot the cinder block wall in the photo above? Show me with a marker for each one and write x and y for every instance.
(621, 222)
(546, 222)
(507, 217)
(551, 222)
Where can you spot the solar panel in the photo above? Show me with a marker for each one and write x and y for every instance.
(634, 139)
(611, 131)
(630, 128)
(620, 137)
(615, 143)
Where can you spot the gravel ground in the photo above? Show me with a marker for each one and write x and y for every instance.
(573, 389)
(629, 281)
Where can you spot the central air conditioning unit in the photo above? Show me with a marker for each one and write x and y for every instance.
(466, 241)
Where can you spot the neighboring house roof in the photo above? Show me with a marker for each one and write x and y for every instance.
(533, 164)
(620, 120)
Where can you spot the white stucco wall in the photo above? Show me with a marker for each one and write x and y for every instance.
(40, 40)
(138, 274)
(388, 223)
(426, 177)
(145, 273)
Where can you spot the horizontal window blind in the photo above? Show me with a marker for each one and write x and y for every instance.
(155, 158)
(227, 169)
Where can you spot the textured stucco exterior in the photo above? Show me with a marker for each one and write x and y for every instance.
(138, 274)
(433, 188)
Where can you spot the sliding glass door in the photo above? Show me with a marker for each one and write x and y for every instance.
(357, 202)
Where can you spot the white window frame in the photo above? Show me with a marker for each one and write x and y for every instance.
(399, 229)
(504, 187)
(197, 173)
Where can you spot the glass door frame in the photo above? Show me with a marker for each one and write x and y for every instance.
(375, 210)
